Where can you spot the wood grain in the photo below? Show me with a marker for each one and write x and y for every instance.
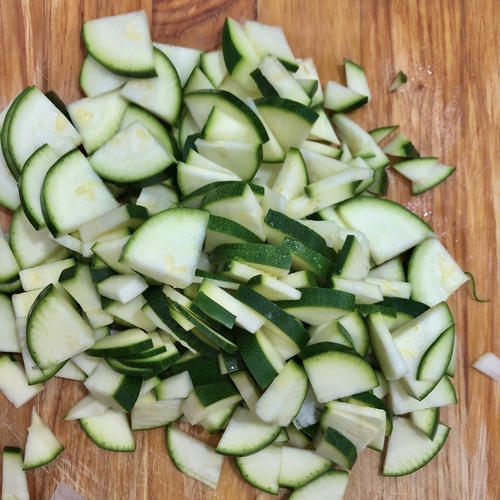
(449, 107)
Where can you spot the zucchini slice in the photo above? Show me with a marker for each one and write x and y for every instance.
(122, 44)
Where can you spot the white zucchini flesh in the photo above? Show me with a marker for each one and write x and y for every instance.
(73, 194)
(9, 193)
(131, 155)
(281, 401)
(110, 431)
(47, 335)
(269, 40)
(409, 449)
(148, 413)
(184, 59)
(122, 44)
(359, 424)
(9, 267)
(193, 457)
(14, 479)
(356, 78)
(35, 122)
(329, 366)
(98, 118)
(390, 228)
(95, 79)
(401, 403)
(262, 469)
(246, 433)
(14, 383)
(31, 183)
(167, 246)
(331, 485)
(88, 406)
(299, 466)
(160, 95)
(9, 341)
(42, 446)
(40, 276)
(433, 273)
(391, 361)
(489, 364)
(30, 247)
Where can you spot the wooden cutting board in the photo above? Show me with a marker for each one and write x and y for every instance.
(449, 108)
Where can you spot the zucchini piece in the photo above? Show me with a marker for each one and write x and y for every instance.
(427, 421)
(47, 335)
(14, 480)
(262, 468)
(86, 407)
(401, 403)
(200, 104)
(9, 267)
(261, 358)
(319, 305)
(238, 202)
(246, 434)
(399, 80)
(276, 318)
(361, 425)
(123, 343)
(160, 95)
(401, 147)
(97, 119)
(273, 79)
(292, 177)
(110, 431)
(42, 446)
(242, 158)
(272, 259)
(208, 399)
(331, 484)
(386, 351)
(390, 228)
(337, 448)
(14, 383)
(299, 467)
(73, 194)
(342, 99)
(35, 121)
(184, 59)
(281, 401)
(9, 340)
(356, 78)
(122, 44)
(148, 413)
(95, 79)
(414, 338)
(133, 156)
(436, 359)
(359, 142)
(433, 273)
(193, 457)
(158, 129)
(113, 389)
(335, 371)
(239, 54)
(167, 246)
(270, 40)
(408, 449)
(31, 181)
(290, 121)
